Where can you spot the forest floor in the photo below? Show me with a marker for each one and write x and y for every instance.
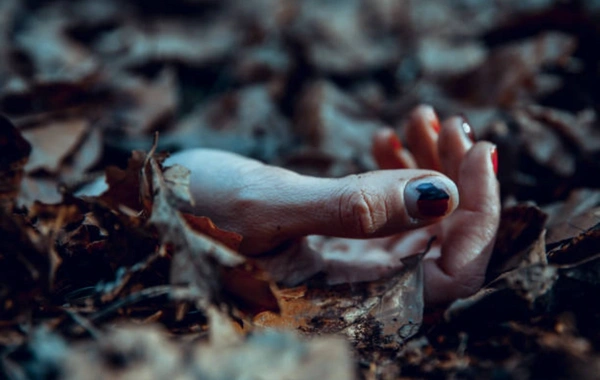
(124, 285)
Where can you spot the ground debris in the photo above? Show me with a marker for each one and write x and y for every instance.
(122, 283)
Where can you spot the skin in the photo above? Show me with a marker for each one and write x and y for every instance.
(282, 214)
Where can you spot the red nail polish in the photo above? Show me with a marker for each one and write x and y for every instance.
(435, 124)
(467, 129)
(394, 142)
(432, 201)
(494, 157)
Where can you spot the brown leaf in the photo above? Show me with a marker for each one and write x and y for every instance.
(525, 288)
(51, 221)
(53, 142)
(14, 155)
(143, 104)
(375, 315)
(544, 145)
(197, 259)
(177, 178)
(520, 240)
(203, 224)
(87, 155)
(337, 41)
(131, 351)
(124, 185)
(578, 249)
(508, 74)
(335, 125)
(26, 264)
(577, 129)
(39, 189)
(569, 218)
(288, 356)
(192, 43)
(247, 122)
(61, 59)
(251, 290)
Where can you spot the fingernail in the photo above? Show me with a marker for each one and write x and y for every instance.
(467, 129)
(494, 156)
(435, 123)
(395, 142)
(427, 197)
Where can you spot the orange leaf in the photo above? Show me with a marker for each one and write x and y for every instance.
(204, 225)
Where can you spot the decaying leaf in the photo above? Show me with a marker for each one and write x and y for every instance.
(303, 84)
(15, 154)
(577, 213)
(375, 315)
(124, 185)
(520, 240)
(144, 104)
(489, 84)
(333, 124)
(335, 41)
(204, 225)
(52, 143)
(544, 145)
(61, 59)
(197, 258)
(272, 355)
(131, 352)
(247, 122)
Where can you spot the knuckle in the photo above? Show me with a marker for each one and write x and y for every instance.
(360, 212)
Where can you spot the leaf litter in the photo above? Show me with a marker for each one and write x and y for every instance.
(122, 283)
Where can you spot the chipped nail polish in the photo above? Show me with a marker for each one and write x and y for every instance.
(432, 201)
(494, 157)
(427, 198)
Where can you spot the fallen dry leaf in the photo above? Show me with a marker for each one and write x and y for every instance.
(335, 125)
(376, 315)
(53, 142)
(520, 240)
(302, 84)
(15, 154)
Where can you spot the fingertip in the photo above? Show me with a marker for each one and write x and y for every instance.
(477, 182)
(425, 114)
(388, 151)
(480, 160)
(454, 142)
(431, 197)
(422, 137)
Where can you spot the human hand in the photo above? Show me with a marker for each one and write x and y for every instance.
(393, 212)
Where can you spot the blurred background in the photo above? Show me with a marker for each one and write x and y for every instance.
(301, 83)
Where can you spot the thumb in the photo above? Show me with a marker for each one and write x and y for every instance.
(372, 204)
(269, 205)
